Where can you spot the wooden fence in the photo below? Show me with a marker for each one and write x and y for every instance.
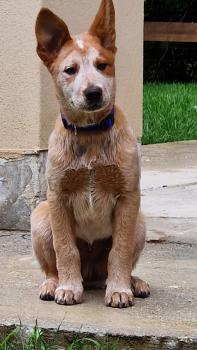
(170, 31)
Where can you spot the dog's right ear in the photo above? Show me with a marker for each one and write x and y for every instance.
(51, 33)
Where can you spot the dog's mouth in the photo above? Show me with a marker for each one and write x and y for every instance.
(94, 107)
(88, 108)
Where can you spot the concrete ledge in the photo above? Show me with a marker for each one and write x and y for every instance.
(166, 320)
(169, 191)
(22, 186)
(63, 338)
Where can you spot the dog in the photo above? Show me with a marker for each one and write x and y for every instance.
(90, 231)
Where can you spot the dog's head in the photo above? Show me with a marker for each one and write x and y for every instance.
(82, 66)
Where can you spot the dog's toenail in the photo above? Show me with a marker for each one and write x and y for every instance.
(144, 294)
(62, 302)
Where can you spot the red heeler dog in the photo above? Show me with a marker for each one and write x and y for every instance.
(90, 231)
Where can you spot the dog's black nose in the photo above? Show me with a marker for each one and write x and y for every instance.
(93, 95)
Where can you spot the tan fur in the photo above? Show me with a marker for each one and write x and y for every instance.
(90, 230)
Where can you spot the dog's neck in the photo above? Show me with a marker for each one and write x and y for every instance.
(105, 124)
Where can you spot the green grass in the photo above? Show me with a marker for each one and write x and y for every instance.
(170, 113)
(35, 340)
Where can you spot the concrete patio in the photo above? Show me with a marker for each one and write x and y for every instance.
(166, 320)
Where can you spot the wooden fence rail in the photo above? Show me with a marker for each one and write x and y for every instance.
(170, 31)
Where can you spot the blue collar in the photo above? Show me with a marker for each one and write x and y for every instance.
(104, 125)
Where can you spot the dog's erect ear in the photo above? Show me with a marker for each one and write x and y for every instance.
(51, 34)
(104, 25)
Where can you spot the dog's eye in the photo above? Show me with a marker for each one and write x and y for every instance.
(70, 70)
(101, 66)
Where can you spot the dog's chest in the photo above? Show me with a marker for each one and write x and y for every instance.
(92, 194)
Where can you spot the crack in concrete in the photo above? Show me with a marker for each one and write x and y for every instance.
(171, 217)
(170, 186)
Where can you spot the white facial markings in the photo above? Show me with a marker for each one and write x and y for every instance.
(87, 74)
(80, 43)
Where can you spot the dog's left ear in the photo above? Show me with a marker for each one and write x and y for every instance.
(104, 25)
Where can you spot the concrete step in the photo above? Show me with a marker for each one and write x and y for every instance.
(168, 316)
(169, 191)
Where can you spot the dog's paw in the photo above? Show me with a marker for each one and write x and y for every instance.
(119, 299)
(47, 289)
(67, 295)
(139, 287)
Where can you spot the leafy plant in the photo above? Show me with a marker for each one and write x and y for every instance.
(35, 341)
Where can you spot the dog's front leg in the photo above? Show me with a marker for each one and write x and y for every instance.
(118, 291)
(70, 287)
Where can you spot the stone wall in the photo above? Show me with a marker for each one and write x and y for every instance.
(22, 187)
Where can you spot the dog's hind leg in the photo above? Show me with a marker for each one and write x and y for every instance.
(139, 287)
(42, 242)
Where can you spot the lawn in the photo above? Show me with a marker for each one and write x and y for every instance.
(35, 340)
(170, 113)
